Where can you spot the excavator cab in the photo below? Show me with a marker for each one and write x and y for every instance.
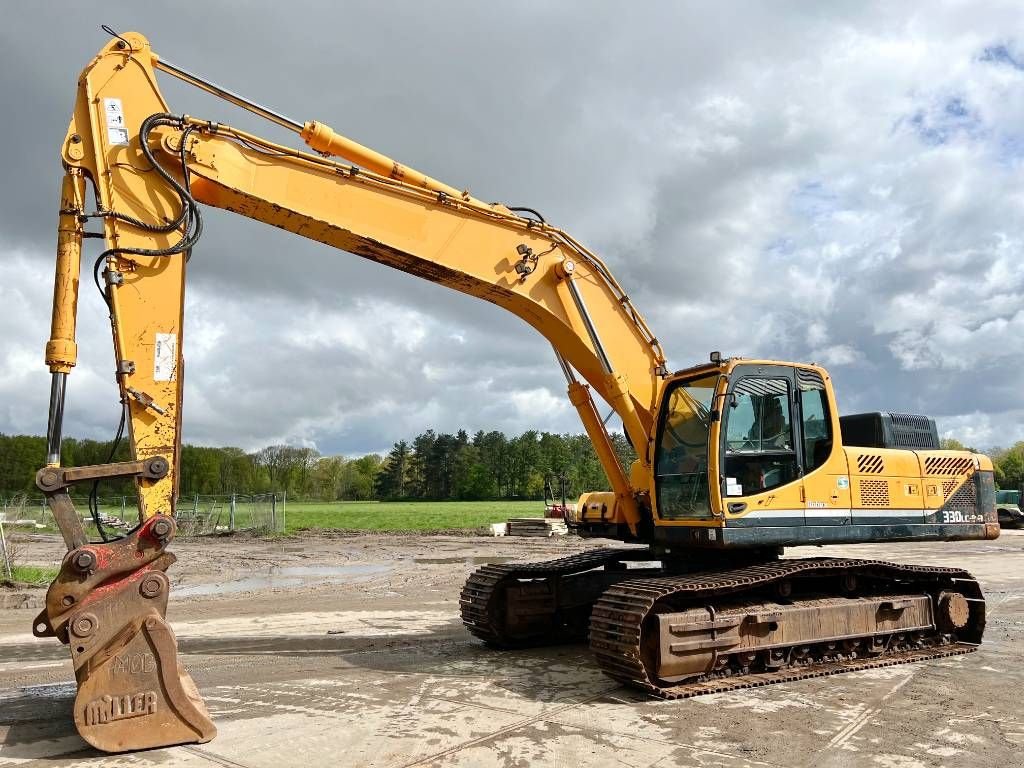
(736, 431)
(750, 454)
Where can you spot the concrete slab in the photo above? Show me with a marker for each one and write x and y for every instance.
(381, 673)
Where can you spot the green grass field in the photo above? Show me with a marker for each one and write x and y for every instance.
(406, 515)
(421, 516)
(31, 574)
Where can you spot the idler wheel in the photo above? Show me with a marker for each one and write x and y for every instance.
(953, 611)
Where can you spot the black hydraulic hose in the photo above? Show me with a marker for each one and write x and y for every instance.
(524, 209)
(94, 506)
(190, 214)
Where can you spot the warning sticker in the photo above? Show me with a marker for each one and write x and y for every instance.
(117, 136)
(117, 131)
(165, 357)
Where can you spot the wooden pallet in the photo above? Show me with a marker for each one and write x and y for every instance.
(536, 526)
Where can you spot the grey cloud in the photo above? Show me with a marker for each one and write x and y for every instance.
(836, 182)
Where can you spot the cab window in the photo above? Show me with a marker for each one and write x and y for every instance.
(760, 451)
(681, 462)
(816, 422)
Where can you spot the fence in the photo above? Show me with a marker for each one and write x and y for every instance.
(259, 513)
(6, 564)
(196, 516)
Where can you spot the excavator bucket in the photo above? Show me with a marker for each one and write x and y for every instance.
(108, 604)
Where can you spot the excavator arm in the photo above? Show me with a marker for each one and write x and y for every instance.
(151, 171)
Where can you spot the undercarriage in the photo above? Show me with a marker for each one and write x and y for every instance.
(677, 635)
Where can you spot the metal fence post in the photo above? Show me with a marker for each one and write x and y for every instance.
(273, 512)
(231, 514)
(284, 511)
(122, 509)
(3, 552)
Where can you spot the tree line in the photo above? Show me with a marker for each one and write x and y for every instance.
(1007, 463)
(434, 466)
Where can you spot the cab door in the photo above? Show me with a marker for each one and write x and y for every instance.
(826, 476)
(761, 467)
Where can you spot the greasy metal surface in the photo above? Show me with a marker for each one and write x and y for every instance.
(618, 620)
(54, 481)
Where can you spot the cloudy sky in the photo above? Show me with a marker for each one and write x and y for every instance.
(838, 182)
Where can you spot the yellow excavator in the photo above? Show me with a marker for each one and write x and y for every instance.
(737, 458)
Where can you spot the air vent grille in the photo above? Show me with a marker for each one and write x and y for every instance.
(964, 498)
(874, 493)
(948, 465)
(869, 463)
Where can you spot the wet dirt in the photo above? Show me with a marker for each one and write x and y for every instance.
(484, 560)
(286, 577)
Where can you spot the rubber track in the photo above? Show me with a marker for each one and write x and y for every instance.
(480, 587)
(618, 616)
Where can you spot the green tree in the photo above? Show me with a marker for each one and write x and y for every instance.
(1009, 466)
(393, 478)
(952, 444)
(237, 474)
(472, 481)
(359, 477)
(325, 478)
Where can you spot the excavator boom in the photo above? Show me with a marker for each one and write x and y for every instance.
(150, 171)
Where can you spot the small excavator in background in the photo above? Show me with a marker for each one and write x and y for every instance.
(736, 458)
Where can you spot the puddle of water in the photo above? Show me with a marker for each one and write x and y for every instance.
(479, 560)
(283, 577)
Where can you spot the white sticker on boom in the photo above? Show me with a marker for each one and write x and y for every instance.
(117, 136)
(117, 132)
(165, 357)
